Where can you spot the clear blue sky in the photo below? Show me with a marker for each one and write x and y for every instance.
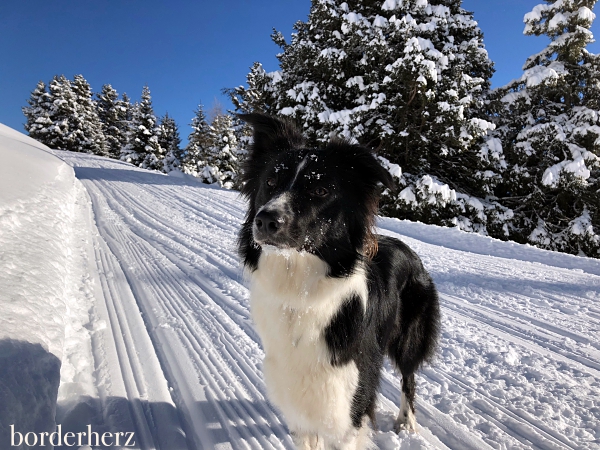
(186, 51)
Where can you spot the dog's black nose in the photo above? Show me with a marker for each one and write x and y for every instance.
(267, 223)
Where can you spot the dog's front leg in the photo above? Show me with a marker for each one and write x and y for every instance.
(406, 417)
(306, 441)
(357, 438)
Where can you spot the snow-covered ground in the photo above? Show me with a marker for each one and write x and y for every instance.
(130, 279)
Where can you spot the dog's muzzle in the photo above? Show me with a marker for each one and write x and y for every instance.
(273, 222)
(266, 225)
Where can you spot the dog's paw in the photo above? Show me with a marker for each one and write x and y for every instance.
(405, 422)
(304, 441)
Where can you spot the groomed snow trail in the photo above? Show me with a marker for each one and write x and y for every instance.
(176, 353)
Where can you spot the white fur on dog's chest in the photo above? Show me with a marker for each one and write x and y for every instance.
(292, 302)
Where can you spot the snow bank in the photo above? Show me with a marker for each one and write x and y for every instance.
(37, 203)
(37, 196)
(476, 244)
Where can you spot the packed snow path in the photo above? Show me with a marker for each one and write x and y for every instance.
(177, 359)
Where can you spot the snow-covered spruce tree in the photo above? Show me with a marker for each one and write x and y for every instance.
(62, 107)
(550, 130)
(130, 132)
(127, 107)
(220, 163)
(112, 114)
(65, 116)
(143, 149)
(86, 126)
(170, 142)
(198, 142)
(243, 134)
(258, 96)
(403, 77)
(38, 114)
(126, 124)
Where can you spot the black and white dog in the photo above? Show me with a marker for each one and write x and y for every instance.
(329, 298)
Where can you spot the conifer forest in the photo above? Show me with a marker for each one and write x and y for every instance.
(410, 79)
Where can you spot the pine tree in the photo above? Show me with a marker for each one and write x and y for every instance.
(38, 114)
(65, 117)
(550, 129)
(170, 141)
(112, 114)
(60, 93)
(143, 149)
(406, 78)
(126, 107)
(127, 153)
(126, 110)
(258, 96)
(243, 133)
(198, 143)
(221, 164)
(86, 127)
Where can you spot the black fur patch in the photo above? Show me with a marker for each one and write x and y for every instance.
(344, 332)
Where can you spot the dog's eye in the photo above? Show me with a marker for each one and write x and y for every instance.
(271, 182)
(320, 192)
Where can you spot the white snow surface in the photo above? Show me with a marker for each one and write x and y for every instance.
(130, 279)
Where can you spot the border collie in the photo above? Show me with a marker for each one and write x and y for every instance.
(329, 298)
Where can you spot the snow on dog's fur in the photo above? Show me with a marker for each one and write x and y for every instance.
(329, 297)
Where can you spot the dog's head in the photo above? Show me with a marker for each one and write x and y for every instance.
(318, 200)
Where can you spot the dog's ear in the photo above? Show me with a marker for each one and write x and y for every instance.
(376, 170)
(271, 135)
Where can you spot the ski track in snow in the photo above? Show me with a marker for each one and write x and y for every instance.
(519, 358)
